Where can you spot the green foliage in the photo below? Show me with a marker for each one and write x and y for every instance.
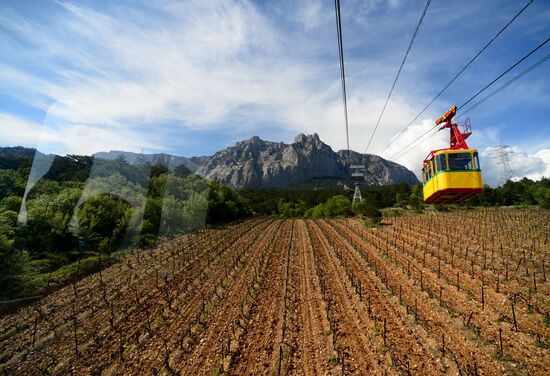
(290, 209)
(283, 202)
(369, 210)
(223, 204)
(522, 192)
(70, 168)
(416, 200)
(102, 221)
(12, 203)
(181, 171)
(46, 230)
(119, 201)
(544, 198)
(158, 170)
(13, 263)
(11, 184)
(335, 206)
(71, 216)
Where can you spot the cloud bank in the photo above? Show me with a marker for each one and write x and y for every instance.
(145, 76)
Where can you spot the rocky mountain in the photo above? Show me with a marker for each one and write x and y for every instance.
(379, 171)
(255, 163)
(17, 151)
(263, 164)
(167, 160)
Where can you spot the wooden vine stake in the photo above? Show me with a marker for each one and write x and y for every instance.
(514, 317)
(500, 339)
(385, 332)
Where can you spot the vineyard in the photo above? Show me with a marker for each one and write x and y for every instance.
(447, 293)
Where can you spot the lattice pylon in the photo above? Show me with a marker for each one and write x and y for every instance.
(357, 194)
(503, 160)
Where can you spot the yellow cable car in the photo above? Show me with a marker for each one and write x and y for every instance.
(451, 175)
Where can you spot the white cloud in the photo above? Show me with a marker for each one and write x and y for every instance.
(55, 136)
(522, 164)
(118, 74)
(413, 155)
(202, 64)
(18, 131)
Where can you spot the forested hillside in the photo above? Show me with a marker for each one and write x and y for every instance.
(83, 210)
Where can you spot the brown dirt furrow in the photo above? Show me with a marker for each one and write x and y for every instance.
(314, 342)
(466, 352)
(520, 250)
(53, 309)
(522, 349)
(217, 342)
(261, 346)
(99, 352)
(178, 330)
(359, 347)
(510, 283)
(408, 352)
(153, 315)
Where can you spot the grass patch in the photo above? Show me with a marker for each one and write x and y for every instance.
(333, 360)
(217, 371)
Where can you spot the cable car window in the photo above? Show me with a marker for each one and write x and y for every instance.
(441, 162)
(460, 161)
(476, 160)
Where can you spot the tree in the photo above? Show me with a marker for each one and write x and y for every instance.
(335, 206)
(158, 169)
(11, 203)
(416, 199)
(11, 184)
(223, 204)
(369, 210)
(102, 221)
(12, 262)
(46, 230)
(181, 171)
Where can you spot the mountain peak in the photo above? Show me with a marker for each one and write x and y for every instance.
(262, 164)
(302, 138)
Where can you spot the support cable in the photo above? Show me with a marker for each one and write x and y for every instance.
(398, 72)
(502, 74)
(410, 145)
(504, 86)
(342, 71)
(460, 72)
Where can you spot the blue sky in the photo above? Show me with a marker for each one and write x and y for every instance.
(191, 78)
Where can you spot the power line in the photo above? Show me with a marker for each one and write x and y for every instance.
(342, 71)
(475, 95)
(399, 71)
(504, 86)
(506, 71)
(460, 72)
(410, 145)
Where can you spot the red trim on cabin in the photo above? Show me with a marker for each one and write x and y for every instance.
(452, 195)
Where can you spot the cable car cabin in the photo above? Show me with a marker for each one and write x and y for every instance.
(451, 176)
